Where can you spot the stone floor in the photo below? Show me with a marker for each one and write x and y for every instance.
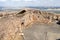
(39, 31)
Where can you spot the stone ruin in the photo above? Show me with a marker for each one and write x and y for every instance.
(12, 25)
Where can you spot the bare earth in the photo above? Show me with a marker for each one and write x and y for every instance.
(29, 24)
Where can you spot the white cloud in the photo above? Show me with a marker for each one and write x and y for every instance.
(3, 0)
(28, 0)
(15, 0)
(51, 0)
(23, 0)
(31, 0)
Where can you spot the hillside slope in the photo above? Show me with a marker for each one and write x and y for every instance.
(12, 25)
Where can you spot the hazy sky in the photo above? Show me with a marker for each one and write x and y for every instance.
(17, 3)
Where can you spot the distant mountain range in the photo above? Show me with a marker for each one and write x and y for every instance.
(13, 8)
(46, 7)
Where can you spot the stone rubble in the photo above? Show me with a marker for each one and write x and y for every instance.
(11, 25)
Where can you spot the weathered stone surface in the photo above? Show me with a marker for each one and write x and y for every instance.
(39, 31)
(17, 26)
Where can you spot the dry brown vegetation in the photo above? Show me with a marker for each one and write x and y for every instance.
(12, 24)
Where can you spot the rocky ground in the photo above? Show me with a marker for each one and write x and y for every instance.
(28, 24)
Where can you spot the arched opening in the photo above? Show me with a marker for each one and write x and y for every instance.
(22, 23)
(57, 39)
(1, 15)
(23, 11)
(58, 22)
